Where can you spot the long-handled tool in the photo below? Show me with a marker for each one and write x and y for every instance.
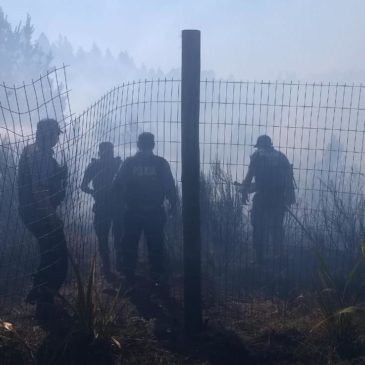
(252, 190)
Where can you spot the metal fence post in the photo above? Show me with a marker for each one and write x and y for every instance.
(190, 102)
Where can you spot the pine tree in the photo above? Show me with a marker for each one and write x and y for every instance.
(21, 58)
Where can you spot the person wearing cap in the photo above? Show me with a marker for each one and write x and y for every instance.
(107, 209)
(146, 183)
(41, 189)
(273, 187)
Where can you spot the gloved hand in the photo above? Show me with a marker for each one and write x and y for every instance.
(245, 199)
(244, 191)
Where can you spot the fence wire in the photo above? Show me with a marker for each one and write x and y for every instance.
(320, 127)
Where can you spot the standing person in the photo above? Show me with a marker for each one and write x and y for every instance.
(107, 208)
(145, 180)
(41, 188)
(274, 192)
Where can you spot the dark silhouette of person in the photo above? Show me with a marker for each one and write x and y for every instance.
(41, 189)
(146, 182)
(107, 207)
(274, 192)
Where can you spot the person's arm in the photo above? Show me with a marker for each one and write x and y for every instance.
(88, 176)
(24, 179)
(118, 184)
(246, 185)
(170, 187)
(120, 178)
(248, 179)
(22, 171)
(40, 167)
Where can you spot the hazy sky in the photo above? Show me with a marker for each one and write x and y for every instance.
(249, 39)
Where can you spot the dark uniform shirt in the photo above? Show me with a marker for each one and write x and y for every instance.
(40, 179)
(145, 181)
(270, 168)
(101, 173)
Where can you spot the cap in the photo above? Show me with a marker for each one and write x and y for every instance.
(263, 141)
(48, 124)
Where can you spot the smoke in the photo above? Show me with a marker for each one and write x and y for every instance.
(93, 72)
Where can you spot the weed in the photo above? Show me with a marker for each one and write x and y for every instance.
(342, 307)
(91, 336)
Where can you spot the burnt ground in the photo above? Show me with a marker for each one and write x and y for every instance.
(258, 332)
(150, 332)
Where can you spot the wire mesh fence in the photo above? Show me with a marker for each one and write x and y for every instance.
(21, 108)
(320, 127)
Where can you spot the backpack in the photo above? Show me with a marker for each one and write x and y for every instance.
(274, 175)
(290, 186)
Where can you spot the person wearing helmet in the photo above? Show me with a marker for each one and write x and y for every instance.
(274, 191)
(107, 208)
(146, 182)
(41, 189)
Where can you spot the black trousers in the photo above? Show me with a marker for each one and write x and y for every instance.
(107, 218)
(267, 219)
(52, 269)
(151, 223)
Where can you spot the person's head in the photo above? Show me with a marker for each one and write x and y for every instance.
(106, 150)
(146, 142)
(48, 133)
(263, 142)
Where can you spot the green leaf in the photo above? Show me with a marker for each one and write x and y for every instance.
(349, 310)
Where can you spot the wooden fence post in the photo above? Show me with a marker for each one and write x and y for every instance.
(190, 103)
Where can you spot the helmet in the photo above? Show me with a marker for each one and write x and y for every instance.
(263, 141)
(146, 140)
(48, 124)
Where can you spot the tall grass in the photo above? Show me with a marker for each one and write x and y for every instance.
(342, 305)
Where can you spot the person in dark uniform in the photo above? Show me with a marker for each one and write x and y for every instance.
(274, 192)
(107, 208)
(41, 189)
(146, 182)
